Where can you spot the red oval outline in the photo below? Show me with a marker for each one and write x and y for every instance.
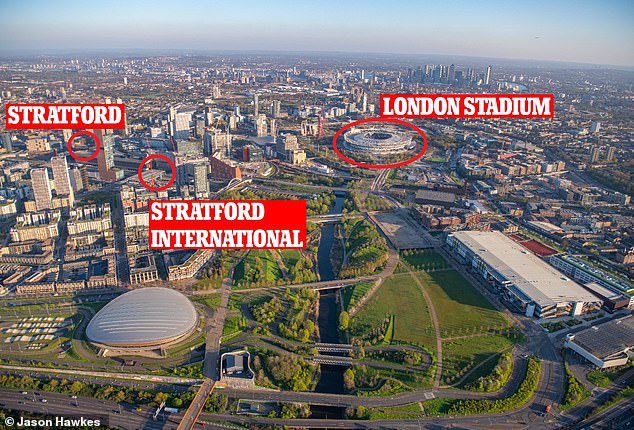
(379, 166)
(160, 157)
(79, 133)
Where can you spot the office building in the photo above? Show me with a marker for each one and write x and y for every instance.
(261, 126)
(256, 102)
(584, 272)
(276, 107)
(105, 158)
(523, 280)
(286, 142)
(5, 140)
(201, 184)
(273, 128)
(487, 79)
(36, 145)
(41, 189)
(61, 176)
(179, 122)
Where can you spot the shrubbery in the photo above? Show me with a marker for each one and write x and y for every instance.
(523, 394)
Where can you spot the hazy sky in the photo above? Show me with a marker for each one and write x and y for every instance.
(583, 31)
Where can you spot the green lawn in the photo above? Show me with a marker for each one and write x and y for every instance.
(352, 294)
(233, 324)
(460, 308)
(206, 283)
(212, 301)
(424, 259)
(290, 257)
(463, 311)
(400, 297)
(258, 266)
(606, 377)
(411, 411)
(461, 355)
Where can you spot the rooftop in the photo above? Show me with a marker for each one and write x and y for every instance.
(607, 339)
(538, 280)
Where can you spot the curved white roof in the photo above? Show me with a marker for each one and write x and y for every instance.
(147, 316)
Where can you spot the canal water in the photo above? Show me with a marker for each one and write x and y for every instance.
(331, 380)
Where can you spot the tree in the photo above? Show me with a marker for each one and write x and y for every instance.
(120, 397)
(344, 319)
(76, 387)
(160, 397)
(348, 380)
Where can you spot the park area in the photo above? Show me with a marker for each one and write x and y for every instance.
(471, 329)
(258, 269)
(396, 313)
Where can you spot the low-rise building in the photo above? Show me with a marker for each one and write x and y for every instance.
(605, 345)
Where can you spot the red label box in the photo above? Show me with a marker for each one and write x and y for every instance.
(227, 224)
(58, 116)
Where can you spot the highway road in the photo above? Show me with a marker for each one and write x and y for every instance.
(116, 415)
(620, 416)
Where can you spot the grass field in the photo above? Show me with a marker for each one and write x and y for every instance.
(461, 355)
(290, 257)
(257, 266)
(233, 324)
(461, 309)
(606, 377)
(424, 259)
(206, 283)
(212, 301)
(353, 294)
(400, 297)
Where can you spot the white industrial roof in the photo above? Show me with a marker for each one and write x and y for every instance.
(538, 280)
(147, 316)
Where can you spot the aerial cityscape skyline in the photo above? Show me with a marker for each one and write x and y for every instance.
(266, 215)
(581, 32)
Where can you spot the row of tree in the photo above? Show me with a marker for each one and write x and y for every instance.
(106, 392)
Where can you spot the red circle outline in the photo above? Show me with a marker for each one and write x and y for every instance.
(160, 157)
(79, 133)
(379, 166)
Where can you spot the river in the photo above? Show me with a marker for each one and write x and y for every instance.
(331, 380)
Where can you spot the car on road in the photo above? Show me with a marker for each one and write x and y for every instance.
(24, 392)
(73, 397)
(44, 401)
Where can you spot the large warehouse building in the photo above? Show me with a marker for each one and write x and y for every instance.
(525, 281)
(605, 345)
(143, 319)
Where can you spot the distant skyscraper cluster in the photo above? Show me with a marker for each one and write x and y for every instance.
(443, 74)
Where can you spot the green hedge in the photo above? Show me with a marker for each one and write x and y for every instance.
(522, 395)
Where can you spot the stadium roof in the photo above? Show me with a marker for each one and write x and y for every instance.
(538, 280)
(143, 317)
(607, 339)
